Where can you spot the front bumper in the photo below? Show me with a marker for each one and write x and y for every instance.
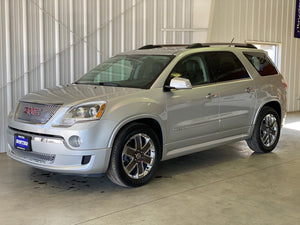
(51, 153)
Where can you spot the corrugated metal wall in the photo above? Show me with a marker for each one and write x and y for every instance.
(262, 21)
(51, 42)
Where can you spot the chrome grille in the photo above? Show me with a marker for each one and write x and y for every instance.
(34, 156)
(36, 113)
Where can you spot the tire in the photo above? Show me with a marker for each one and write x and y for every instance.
(135, 156)
(266, 131)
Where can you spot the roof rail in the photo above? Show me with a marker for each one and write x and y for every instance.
(195, 45)
(149, 47)
(160, 46)
(239, 45)
(199, 45)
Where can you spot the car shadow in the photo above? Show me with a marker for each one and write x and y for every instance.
(167, 169)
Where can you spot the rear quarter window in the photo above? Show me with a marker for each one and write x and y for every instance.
(261, 63)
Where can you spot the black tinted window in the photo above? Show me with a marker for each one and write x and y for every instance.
(261, 63)
(225, 66)
(193, 68)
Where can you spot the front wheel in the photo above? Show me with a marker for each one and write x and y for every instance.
(266, 131)
(135, 156)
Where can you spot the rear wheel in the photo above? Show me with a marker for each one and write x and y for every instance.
(135, 156)
(266, 131)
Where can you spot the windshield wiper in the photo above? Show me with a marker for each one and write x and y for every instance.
(110, 84)
(88, 83)
(100, 83)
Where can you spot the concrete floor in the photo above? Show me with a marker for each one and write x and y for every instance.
(226, 185)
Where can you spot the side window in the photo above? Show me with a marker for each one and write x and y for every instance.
(193, 68)
(226, 66)
(261, 63)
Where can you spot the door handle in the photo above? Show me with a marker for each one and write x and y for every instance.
(249, 90)
(210, 95)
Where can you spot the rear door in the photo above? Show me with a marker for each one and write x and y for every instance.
(236, 90)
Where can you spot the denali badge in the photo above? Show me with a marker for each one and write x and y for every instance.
(32, 110)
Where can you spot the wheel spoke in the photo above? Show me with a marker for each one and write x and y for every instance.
(270, 121)
(270, 139)
(265, 138)
(140, 168)
(138, 142)
(264, 126)
(263, 134)
(146, 147)
(130, 167)
(274, 125)
(147, 159)
(129, 151)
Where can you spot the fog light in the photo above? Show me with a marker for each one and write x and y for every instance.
(85, 159)
(75, 141)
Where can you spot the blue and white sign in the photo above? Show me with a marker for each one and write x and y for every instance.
(297, 19)
(22, 142)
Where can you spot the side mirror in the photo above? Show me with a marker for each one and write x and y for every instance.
(179, 83)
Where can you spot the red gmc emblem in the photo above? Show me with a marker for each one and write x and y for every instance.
(32, 110)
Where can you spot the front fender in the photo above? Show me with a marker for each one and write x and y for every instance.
(149, 105)
(133, 119)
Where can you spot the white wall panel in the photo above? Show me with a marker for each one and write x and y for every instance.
(52, 42)
(262, 21)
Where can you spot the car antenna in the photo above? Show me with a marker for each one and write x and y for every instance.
(232, 41)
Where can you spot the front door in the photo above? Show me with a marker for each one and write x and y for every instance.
(192, 114)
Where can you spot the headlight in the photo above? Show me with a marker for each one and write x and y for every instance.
(83, 112)
(11, 114)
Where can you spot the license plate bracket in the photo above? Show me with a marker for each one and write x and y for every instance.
(22, 142)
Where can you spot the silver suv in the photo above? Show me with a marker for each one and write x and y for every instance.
(155, 103)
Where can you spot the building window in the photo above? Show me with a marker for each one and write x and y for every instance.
(273, 50)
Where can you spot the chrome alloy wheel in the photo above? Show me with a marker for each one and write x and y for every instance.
(268, 130)
(138, 156)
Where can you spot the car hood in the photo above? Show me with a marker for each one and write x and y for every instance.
(74, 94)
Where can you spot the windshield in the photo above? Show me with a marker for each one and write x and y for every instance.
(136, 71)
